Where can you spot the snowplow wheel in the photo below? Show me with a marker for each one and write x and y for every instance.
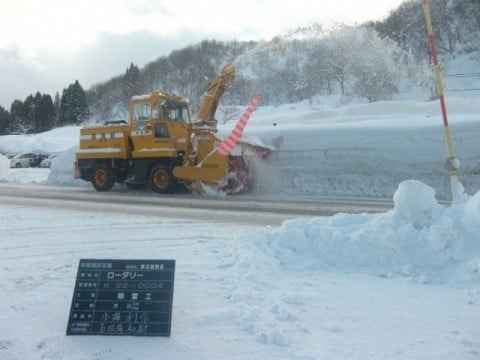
(162, 180)
(103, 178)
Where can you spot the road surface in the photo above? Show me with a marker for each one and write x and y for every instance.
(239, 209)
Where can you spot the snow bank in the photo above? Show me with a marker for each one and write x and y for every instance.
(415, 203)
(418, 239)
(4, 166)
(62, 169)
(53, 141)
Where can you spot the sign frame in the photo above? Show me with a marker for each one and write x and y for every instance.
(129, 297)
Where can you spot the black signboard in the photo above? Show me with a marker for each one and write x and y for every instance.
(122, 297)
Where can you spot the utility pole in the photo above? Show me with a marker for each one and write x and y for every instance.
(452, 163)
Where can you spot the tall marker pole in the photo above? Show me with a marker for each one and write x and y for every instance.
(452, 164)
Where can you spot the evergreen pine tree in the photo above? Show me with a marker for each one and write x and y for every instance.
(45, 115)
(131, 82)
(73, 105)
(4, 120)
(56, 106)
(17, 117)
(29, 110)
(64, 109)
(80, 105)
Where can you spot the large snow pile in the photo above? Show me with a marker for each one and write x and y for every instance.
(419, 239)
(62, 169)
(4, 165)
(52, 141)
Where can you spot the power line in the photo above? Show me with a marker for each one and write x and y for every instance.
(458, 90)
(464, 75)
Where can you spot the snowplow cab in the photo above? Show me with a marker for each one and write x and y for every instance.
(159, 124)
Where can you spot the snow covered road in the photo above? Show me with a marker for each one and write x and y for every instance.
(242, 210)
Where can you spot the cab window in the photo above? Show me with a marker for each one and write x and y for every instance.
(175, 111)
(141, 112)
(161, 130)
(157, 111)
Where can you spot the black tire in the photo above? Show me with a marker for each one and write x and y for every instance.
(103, 178)
(162, 180)
(18, 165)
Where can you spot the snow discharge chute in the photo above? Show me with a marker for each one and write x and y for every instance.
(227, 145)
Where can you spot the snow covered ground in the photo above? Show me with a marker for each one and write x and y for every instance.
(398, 285)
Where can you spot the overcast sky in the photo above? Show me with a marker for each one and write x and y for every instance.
(47, 45)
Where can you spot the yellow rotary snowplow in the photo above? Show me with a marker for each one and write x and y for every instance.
(159, 146)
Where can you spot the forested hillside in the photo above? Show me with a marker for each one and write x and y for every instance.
(373, 61)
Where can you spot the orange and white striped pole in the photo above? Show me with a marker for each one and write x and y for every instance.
(452, 164)
(227, 145)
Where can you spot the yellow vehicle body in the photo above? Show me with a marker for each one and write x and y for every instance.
(160, 147)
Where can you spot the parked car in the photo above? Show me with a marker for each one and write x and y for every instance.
(46, 163)
(22, 160)
(37, 159)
